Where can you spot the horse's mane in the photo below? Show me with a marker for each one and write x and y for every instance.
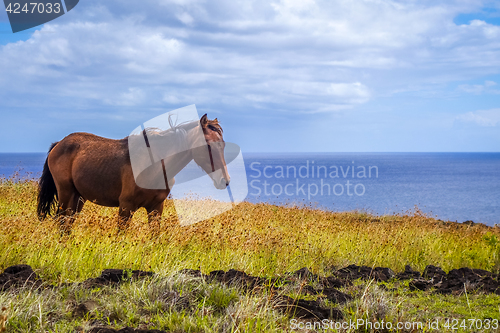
(214, 125)
(171, 130)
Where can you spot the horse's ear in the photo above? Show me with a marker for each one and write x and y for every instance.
(204, 121)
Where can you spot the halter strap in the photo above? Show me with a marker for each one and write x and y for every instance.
(211, 158)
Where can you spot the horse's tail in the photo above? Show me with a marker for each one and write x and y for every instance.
(47, 192)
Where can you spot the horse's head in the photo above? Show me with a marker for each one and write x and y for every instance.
(213, 163)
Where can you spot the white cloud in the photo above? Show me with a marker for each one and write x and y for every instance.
(133, 96)
(293, 7)
(486, 118)
(185, 18)
(292, 55)
(355, 92)
(477, 89)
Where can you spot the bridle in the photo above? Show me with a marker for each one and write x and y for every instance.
(211, 158)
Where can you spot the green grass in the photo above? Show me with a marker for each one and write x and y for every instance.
(260, 239)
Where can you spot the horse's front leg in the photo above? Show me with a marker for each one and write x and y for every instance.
(154, 215)
(155, 209)
(124, 215)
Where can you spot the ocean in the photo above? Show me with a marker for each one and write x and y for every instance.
(448, 186)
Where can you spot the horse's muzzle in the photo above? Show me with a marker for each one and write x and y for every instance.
(221, 184)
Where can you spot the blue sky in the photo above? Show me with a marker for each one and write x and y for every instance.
(280, 75)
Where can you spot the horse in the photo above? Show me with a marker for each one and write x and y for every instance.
(86, 167)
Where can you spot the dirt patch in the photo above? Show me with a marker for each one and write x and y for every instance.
(18, 276)
(333, 282)
(434, 273)
(335, 296)
(115, 277)
(466, 279)
(420, 284)
(457, 281)
(408, 273)
(237, 278)
(332, 294)
(354, 272)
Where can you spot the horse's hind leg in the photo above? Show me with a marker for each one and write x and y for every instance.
(70, 203)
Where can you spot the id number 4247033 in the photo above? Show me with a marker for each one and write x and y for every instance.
(34, 8)
(455, 324)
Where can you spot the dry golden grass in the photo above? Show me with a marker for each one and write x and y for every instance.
(260, 239)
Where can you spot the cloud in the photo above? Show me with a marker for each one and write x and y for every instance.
(185, 18)
(478, 89)
(299, 56)
(485, 118)
(133, 96)
(354, 92)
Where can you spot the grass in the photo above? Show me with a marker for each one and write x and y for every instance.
(260, 239)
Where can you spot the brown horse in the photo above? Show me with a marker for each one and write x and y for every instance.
(84, 167)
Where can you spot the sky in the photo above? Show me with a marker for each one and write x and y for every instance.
(280, 75)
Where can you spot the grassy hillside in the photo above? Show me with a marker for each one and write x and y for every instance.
(260, 239)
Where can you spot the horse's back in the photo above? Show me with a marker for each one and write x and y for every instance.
(90, 146)
(93, 165)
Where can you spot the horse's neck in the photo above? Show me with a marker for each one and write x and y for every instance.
(175, 163)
